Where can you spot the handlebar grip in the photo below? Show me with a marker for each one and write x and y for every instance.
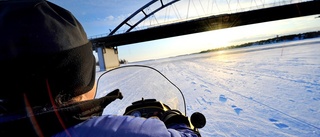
(174, 117)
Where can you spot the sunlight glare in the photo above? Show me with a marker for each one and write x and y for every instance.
(221, 52)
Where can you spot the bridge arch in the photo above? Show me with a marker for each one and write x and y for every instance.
(142, 10)
(109, 54)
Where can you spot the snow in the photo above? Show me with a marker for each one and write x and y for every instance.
(269, 90)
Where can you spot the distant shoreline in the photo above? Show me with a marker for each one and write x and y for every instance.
(277, 39)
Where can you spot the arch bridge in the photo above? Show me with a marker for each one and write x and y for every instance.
(106, 46)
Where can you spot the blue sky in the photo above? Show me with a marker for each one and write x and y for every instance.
(99, 16)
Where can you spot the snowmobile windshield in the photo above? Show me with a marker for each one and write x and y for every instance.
(137, 82)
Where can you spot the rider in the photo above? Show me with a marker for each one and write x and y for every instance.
(48, 79)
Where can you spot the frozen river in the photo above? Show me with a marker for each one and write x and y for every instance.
(269, 90)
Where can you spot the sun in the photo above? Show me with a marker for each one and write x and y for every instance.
(217, 39)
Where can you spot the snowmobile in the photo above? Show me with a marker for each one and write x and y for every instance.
(146, 93)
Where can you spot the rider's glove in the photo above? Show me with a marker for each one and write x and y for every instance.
(174, 117)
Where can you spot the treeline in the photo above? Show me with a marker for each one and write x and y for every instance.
(272, 40)
(123, 61)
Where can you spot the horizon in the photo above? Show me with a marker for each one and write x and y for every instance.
(221, 49)
(108, 14)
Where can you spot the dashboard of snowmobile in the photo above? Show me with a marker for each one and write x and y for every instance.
(146, 108)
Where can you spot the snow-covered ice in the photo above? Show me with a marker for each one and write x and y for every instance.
(269, 90)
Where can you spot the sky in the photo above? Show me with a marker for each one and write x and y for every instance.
(98, 17)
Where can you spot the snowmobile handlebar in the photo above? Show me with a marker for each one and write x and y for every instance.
(152, 108)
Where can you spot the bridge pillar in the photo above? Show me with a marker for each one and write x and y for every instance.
(108, 58)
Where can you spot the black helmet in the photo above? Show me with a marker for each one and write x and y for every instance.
(44, 54)
(46, 59)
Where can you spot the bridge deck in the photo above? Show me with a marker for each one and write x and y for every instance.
(211, 23)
